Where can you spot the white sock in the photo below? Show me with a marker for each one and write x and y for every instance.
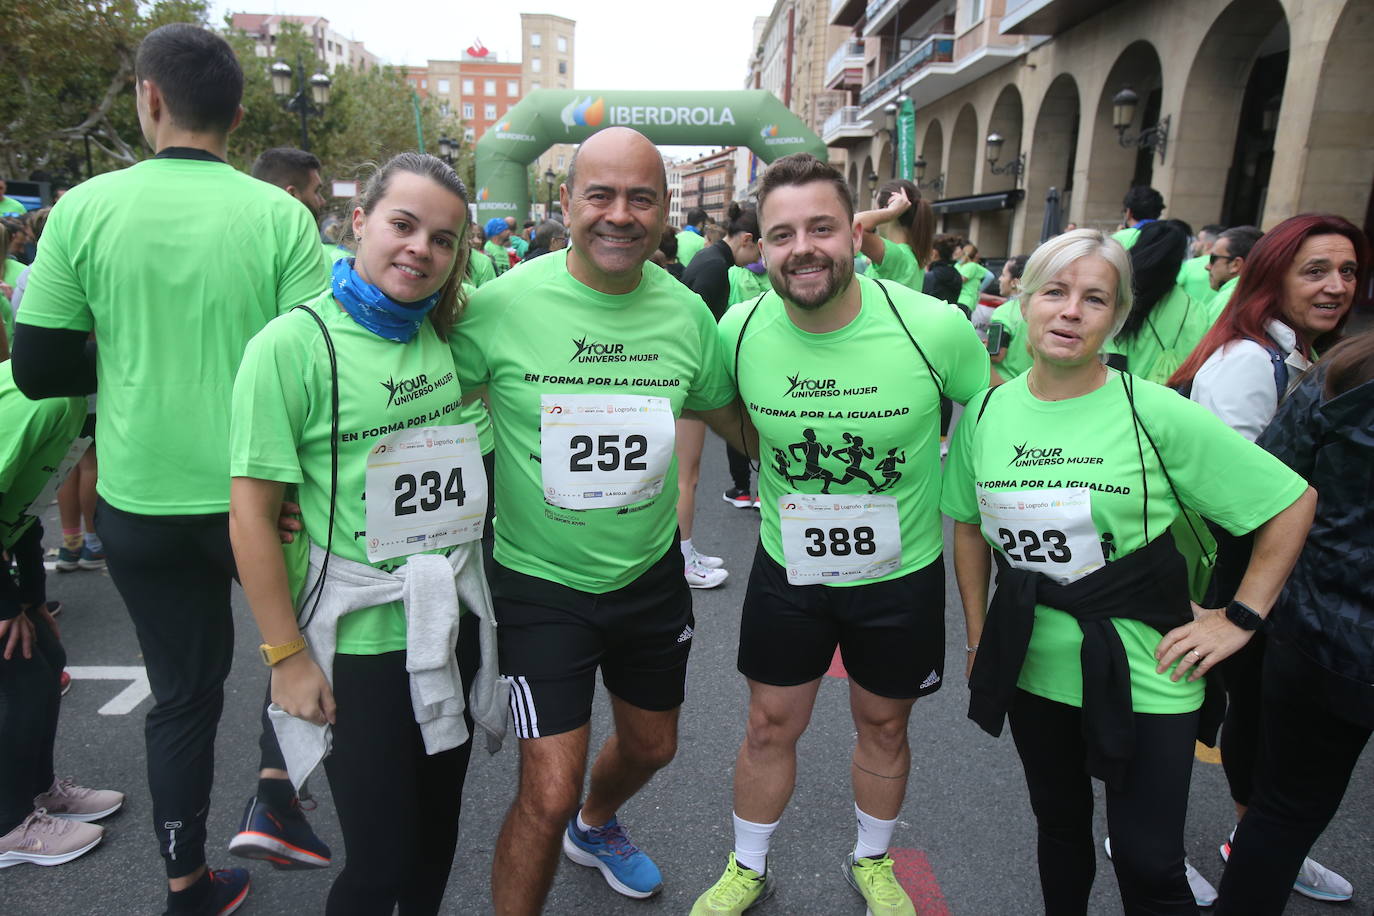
(751, 843)
(875, 835)
(583, 825)
(687, 549)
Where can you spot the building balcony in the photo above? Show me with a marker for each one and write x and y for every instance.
(937, 48)
(846, 128)
(1048, 17)
(846, 66)
(846, 12)
(879, 15)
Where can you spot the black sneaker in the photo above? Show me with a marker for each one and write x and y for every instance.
(283, 838)
(228, 888)
(740, 499)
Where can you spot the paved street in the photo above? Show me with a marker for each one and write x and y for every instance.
(966, 841)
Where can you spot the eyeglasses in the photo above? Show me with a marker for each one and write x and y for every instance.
(1213, 258)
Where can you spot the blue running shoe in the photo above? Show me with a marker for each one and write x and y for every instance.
(624, 866)
(283, 838)
(228, 888)
(68, 560)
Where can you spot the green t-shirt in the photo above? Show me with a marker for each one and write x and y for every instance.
(281, 430)
(1194, 279)
(745, 284)
(333, 252)
(538, 331)
(688, 244)
(899, 265)
(880, 432)
(500, 258)
(1018, 357)
(37, 436)
(475, 412)
(1220, 299)
(1022, 443)
(481, 268)
(175, 264)
(12, 271)
(1170, 333)
(973, 274)
(11, 207)
(1126, 236)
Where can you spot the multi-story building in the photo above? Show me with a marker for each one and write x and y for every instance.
(793, 45)
(708, 182)
(547, 62)
(674, 175)
(332, 48)
(477, 89)
(1227, 124)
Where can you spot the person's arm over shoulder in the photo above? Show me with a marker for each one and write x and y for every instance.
(470, 340)
(303, 269)
(1237, 385)
(958, 355)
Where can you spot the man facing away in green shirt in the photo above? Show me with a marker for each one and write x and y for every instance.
(8, 205)
(692, 238)
(1142, 204)
(298, 173)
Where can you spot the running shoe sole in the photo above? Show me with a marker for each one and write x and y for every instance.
(249, 844)
(18, 858)
(1304, 889)
(87, 818)
(582, 857)
(90, 564)
(739, 503)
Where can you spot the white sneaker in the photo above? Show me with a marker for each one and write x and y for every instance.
(45, 840)
(704, 560)
(1204, 895)
(699, 576)
(1314, 879)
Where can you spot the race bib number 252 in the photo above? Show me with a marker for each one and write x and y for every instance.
(601, 450)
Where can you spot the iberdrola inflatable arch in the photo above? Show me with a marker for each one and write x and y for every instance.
(751, 118)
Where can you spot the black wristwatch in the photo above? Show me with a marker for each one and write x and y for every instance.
(1244, 616)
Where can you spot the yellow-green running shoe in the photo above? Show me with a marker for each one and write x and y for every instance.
(874, 880)
(738, 890)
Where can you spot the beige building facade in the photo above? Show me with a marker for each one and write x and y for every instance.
(1259, 103)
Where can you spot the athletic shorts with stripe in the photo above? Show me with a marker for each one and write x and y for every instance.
(553, 638)
(891, 634)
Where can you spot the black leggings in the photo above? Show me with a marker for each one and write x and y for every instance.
(1145, 819)
(739, 468)
(1316, 724)
(174, 573)
(29, 692)
(398, 807)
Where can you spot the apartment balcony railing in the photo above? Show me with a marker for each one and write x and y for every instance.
(877, 8)
(845, 125)
(933, 49)
(847, 56)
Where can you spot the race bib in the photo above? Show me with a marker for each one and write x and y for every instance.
(59, 476)
(1044, 531)
(426, 488)
(599, 451)
(839, 538)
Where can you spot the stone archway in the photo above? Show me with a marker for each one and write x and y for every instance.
(932, 150)
(854, 180)
(1112, 169)
(862, 194)
(884, 163)
(1054, 145)
(1338, 147)
(1224, 148)
(965, 153)
(992, 228)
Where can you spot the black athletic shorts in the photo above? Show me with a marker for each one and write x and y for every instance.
(891, 634)
(552, 638)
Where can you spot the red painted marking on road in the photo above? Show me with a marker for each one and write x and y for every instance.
(917, 878)
(837, 666)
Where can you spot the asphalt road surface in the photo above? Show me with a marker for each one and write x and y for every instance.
(966, 841)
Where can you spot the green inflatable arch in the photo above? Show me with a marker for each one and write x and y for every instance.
(752, 118)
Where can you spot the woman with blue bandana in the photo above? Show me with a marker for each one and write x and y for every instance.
(352, 397)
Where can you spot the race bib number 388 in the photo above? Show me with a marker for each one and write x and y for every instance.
(828, 539)
(604, 450)
(426, 488)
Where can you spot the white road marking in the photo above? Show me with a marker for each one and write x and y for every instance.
(127, 699)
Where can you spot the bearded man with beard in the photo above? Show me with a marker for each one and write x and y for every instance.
(843, 361)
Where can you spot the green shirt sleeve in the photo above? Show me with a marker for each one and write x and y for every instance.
(55, 297)
(467, 339)
(960, 357)
(958, 499)
(712, 387)
(305, 270)
(271, 403)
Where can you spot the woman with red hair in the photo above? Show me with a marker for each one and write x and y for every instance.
(1291, 303)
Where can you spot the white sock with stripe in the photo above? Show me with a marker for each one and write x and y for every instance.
(751, 843)
(875, 835)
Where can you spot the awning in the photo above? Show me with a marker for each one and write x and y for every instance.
(976, 203)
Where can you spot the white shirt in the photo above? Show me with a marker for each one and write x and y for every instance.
(1237, 381)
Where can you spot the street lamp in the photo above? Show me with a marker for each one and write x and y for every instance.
(1123, 116)
(890, 127)
(936, 184)
(312, 93)
(549, 177)
(994, 151)
(448, 149)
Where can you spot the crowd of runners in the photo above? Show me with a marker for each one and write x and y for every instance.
(456, 482)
